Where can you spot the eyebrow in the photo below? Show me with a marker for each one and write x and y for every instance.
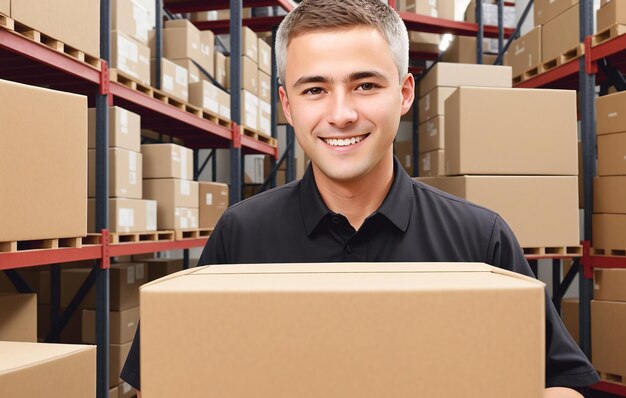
(352, 77)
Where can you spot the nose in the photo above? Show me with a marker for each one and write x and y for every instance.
(341, 110)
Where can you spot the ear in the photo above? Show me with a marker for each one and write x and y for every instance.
(408, 92)
(284, 101)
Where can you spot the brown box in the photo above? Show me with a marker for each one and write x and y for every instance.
(5, 7)
(249, 110)
(546, 220)
(547, 10)
(37, 279)
(462, 50)
(496, 121)
(193, 72)
(432, 103)
(207, 47)
(365, 312)
(178, 218)
(124, 129)
(205, 95)
(612, 154)
(122, 325)
(130, 57)
(126, 215)
(419, 7)
(47, 370)
(71, 333)
(609, 194)
(608, 322)
(167, 161)
(453, 75)
(431, 134)
(265, 118)
(132, 18)
(224, 101)
(220, 68)
(250, 73)
(18, 317)
(124, 174)
(249, 44)
(181, 39)
(404, 152)
(171, 192)
(570, 316)
(174, 79)
(611, 113)
(264, 87)
(525, 53)
(213, 198)
(160, 267)
(74, 22)
(117, 357)
(613, 12)
(265, 57)
(560, 34)
(432, 164)
(609, 284)
(581, 177)
(36, 202)
(114, 392)
(609, 231)
(424, 42)
(125, 279)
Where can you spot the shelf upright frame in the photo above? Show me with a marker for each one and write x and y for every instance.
(235, 99)
(274, 97)
(480, 34)
(158, 42)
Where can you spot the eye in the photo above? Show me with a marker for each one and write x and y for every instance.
(366, 86)
(313, 91)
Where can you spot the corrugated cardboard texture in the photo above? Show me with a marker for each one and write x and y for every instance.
(124, 174)
(42, 129)
(47, 370)
(18, 317)
(124, 129)
(608, 322)
(453, 75)
(511, 131)
(560, 34)
(126, 215)
(323, 330)
(609, 194)
(549, 220)
(609, 284)
(611, 113)
(122, 326)
(570, 315)
(130, 57)
(525, 52)
(612, 154)
(546, 10)
(609, 231)
(431, 135)
(167, 161)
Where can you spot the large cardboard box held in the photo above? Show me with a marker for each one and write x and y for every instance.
(126, 215)
(47, 370)
(608, 322)
(609, 194)
(546, 221)
(525, 52)
(312, 330)
(124, 174)
(609, 231)
(18, 317)
(454, 75)
(167, 161)
(611, 113)
(124, 129)
(547, 10)
(612, 154)
(609, 284)
(560, 34)
(213, 201)
(39, 202)
(509, 131)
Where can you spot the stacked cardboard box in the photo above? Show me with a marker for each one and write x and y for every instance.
(168, 179)
(209, 97)
(130, 23)
(404, 152)
(5, 7)
(490, 13)
(419, 41)
(609, 190)
(434, 89)
(128, 212)
(560, 27)
(524, 55)
(608, 320)
(462, 50)
(213, 202)
(18, 317)
(611, 13)
(218, 15)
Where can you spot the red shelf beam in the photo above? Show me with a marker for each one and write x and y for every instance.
(32, 258)
(424, 23)
(127, 249)
(608, 262)
(611, 388)
(257, 24)
(200, 5)
(562, 72)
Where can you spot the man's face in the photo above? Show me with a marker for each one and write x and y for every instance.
(343, 96)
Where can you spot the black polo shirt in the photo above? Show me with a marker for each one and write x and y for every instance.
(415, 223)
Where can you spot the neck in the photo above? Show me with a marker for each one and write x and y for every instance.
(359, 198)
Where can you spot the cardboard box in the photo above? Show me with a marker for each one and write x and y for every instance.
(132, 18)
(126, 391)
(462, 50)
(205, 95)
(419, 7)
(213, 198)
(114, 392)
(117, 357)
(525, 52)
(220, 68)
(424, 42)
(178, 218)
(432, 103)
(265, 118)
(122, 326)
(612, 154)
(36, 202)
(581, 177)
(265, 57)
(174, 79)
(561, 34)
(249, 110)
(47, 370)
(364, 310)
(207, 47)
(194, 74)
(490, 14)
(124, 174)
(160, 267)
(5, 7)
(609, 194)
(74, 22)
(249, 44)
(37, 279)
(18, 317)
(495, 121)
(124, 129)
(547, 10)
(181, 39)
(431, 134)
(130, 57)
(614, 12)
(609, 231)
(609, 284)
(264, 87)
(432, 164)
(610, 114)
(453, 75)
(125, 279)
(224, 102)
(570, 315)
(171, 192)
(167, 161)
(126, 215)
(71, 333)
(608, 320)
(548, 220)
(404, 152)
(250, 73)
(446, 10)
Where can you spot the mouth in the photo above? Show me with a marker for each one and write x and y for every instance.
(344, 142)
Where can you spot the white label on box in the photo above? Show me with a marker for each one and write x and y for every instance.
(141, 18)
(139, 271)
(407, 161)
(427, 102)
(184, 223)
(183, 163)
(225, 111)
(175, 154)
(132, 177)
(144, 60)
(181, 75)
(612, 114)
(168, 83)
(194, 222)
(123, 113)
(129, 325)
(433, 13)
(127, 49)
(431, 129)
(132, 161)
(130, 275)
(426, 162)
(125, 217)
(433, 3)
(519, 49)
(151, 215)
(210, 103)
(204, 48)
(185, 187)
(209, 199)
(193, 77)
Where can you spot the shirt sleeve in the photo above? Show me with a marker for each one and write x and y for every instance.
(566, 364)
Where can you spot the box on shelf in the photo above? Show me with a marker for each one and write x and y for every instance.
(122, 325)
(446, 10)
(404, 152)
(419, 7)
(18, 317)
(178, 218)
(524, 53)
(124, 174)
(36, 202)
(47, 370)
(5, 7)
(126, 215)
(454, 75)
(193, 72)
(249, 110)
(160, 267)
(570, 316)
(432, 164)
(124, 129)
(174, 79)
(609, 231)
(612, 154)
(431, 134)
(132, 18)
(265, 118)
(181, 39)
(207, 47)
(220, 68)
(346, 306)
(249, 44)
(547, 221)
(432, 103)
(264, 87)
(171, 192)
(462, 50)
(224, 101)
(38, 279)
(547, 10)
(609, 284)
(227, 79)
(611, 114)
(490, 14)
(265, 57)
(218, 15)
(117, 357)
(609, 194)
(167, 161)
(495, 121)
(213, 200)
(130, 57)
(205, 95)
(613, 12)
(250, 75)
(608, 322)
(114, 392)
(561, 34)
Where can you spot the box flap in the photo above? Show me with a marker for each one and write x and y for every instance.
(16, 355)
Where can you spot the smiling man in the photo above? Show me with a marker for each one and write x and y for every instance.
(343, 66)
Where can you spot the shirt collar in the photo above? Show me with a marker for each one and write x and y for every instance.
(396, 207)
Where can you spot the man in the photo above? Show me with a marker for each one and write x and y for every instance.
(343, 68)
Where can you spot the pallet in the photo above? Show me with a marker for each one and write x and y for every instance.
(183, 234)
(608, 252)
(574, 251)
(612, 378)
(50, 42)
(208, 115)
(259, 136)
(139, 237)
(563, 58)
(608, 34)
(41, 244)
(529, 74)
(115, 75)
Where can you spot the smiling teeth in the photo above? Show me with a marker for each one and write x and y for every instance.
(343, 142)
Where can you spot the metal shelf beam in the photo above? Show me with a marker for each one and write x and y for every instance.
(200, 5)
